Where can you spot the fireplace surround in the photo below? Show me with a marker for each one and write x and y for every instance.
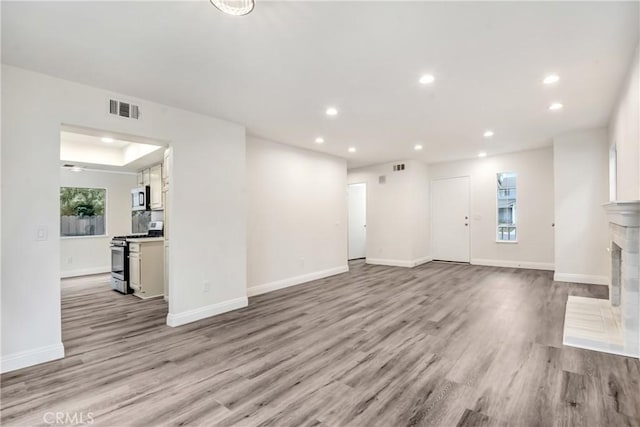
(613, 325)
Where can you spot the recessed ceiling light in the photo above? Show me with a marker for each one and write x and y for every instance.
(488, 133)
(76, 169)
(555, 106)
(332, 111)
(107, 140)
(417, 147)
(352, 149)
(319, 140)
(482, 154)
(427, 79)
(551, 79)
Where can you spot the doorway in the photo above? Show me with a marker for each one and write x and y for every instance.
(357, 206)
(113, 190)
(450, 219)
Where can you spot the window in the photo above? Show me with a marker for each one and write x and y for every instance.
(507, 197)
(82, 211)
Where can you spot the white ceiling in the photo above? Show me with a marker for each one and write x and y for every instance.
(84, 148)
(278, 68)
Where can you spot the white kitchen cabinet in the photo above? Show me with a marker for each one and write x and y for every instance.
(166, 270)
(134, 271)
(166, 167)
(155, 174)
(146, 267)
(144, 178)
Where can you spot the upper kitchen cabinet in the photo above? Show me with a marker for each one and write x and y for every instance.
(155, 176)
(166, 166)
(144, 178)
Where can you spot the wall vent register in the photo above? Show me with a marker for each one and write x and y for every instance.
(124, 109)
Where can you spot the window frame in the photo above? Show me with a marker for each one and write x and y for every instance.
(497, 209)
(106, 224)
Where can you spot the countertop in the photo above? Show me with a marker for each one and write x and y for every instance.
(145, 239)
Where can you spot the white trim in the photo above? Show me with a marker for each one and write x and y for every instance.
(206, 311)
(398, 262)
(581, 278)
(23, 359)
(293, 281)
(92, 236)
(513, 264)
(85, 271)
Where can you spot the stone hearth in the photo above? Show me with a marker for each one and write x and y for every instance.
(612, 326)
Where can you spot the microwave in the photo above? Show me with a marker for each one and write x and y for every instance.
(140, 198)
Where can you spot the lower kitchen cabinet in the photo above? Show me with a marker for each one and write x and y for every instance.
(146, 268)
(166, 270)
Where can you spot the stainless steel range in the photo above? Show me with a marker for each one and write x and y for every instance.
(120, 264)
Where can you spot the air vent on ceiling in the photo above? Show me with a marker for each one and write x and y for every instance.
(398, 167)
(123, 109)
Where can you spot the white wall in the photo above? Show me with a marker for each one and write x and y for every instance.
(534, 248)
(91, 255)
(581, 187)
(297, 215)
(208, 242)
(624, 132)
(397, 213)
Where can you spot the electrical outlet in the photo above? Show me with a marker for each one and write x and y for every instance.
(69, 260)
(206, 286)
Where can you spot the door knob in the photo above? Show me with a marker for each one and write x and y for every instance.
(466, 225)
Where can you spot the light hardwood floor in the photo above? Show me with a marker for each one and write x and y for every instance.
(439, 344)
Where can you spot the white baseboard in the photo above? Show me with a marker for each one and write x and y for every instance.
(85, 271)
(581, 278)
(23, 359)
(293, 281)
(206, 311)
(514, 264)
(398, 262)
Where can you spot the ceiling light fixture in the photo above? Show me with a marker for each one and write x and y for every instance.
(234, 7)
(488, 133)
(332, 111)
(319, 140)
(427, 79)
(417, 147)
(107, 140)
(482, 154)
(352, 149)
(555, 106)
(76, 169)
(551, 79)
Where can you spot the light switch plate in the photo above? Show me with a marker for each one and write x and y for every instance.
(42, 233)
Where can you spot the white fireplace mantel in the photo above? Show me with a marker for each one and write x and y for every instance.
(625, 213)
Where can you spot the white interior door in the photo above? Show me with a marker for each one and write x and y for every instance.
(450, 219)
(357, 220)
